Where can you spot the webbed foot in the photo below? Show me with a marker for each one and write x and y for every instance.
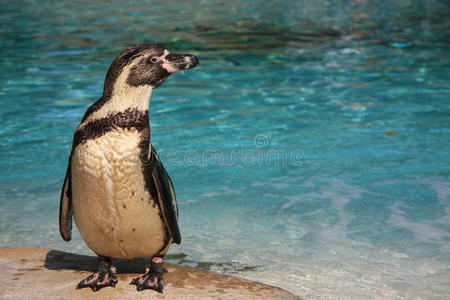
(105, 276)
(153, 277)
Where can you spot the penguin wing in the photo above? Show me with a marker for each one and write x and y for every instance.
(166, 196)
(65, 206)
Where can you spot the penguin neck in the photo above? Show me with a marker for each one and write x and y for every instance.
(125, 97)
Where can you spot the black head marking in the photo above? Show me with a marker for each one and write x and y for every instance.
(148, 71)
(151, 66)
(125, 58)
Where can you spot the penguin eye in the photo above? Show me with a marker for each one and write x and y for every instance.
(152, 60)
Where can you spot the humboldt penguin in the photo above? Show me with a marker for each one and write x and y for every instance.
(116, 188)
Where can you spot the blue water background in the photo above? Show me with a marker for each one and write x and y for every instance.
(309, 150)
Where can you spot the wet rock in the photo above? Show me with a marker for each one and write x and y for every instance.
(391, 132)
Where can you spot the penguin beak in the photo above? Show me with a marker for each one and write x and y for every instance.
(180, 62)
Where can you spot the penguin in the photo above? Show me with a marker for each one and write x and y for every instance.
(116, 188)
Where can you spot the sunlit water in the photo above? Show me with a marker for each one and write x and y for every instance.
(309, 150)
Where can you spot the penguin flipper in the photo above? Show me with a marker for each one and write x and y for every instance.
(166, 196)
(65, 206)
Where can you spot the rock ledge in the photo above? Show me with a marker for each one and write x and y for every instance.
(29, 273)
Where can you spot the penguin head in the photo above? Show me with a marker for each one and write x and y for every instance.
(147, 65)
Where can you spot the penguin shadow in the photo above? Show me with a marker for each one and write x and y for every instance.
(60, 260)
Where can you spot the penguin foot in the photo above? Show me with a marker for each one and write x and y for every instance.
(153, 277)
(105, 276)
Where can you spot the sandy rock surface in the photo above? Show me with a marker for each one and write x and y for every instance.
(28, 273)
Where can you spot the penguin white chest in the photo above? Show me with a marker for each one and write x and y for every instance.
(114, 212)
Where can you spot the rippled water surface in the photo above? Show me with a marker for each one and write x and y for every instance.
(309, 150)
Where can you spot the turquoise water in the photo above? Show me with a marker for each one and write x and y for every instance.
(309, 150)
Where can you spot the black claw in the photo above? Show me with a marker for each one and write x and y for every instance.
(152, 279)
(105, 276)
(102, 280)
